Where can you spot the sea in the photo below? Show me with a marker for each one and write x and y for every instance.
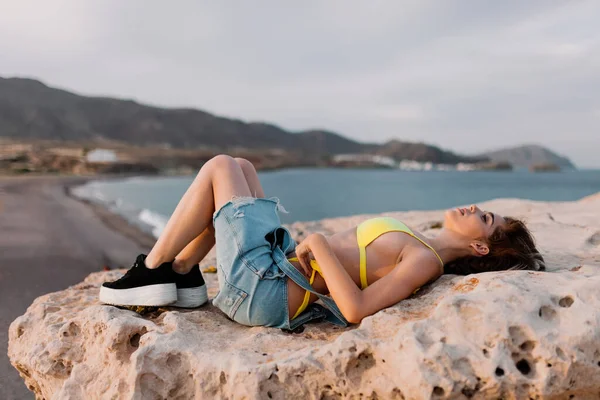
(316, 193)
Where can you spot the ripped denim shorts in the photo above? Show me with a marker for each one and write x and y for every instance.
(252, 288)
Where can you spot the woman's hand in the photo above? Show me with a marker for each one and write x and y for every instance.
(304, 253)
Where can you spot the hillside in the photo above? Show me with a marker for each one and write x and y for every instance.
(423, 153)
(30, 109)
(528, 155)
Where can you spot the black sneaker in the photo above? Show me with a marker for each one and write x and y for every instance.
(191, 290)
(142, 286)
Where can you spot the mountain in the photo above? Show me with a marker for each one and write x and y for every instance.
(528, 156)
(422, 152)
(30, 109)
(326, 142)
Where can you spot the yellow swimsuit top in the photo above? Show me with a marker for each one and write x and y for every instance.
(366, 232)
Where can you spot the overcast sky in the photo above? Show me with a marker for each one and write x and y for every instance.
(465, 75)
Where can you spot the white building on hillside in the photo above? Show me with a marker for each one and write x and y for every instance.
(370, 158)
(102, 156)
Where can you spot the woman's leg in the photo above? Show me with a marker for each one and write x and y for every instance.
(251, 177)
(198, 248)
(189, 234)
(195, 251)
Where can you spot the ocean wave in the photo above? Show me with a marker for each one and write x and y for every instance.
(145, 219)
(87, 192)
(155, 220)
(138, 179)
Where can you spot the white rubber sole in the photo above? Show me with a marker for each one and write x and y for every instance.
(191, 297)
(151, 295)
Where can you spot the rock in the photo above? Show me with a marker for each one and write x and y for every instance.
(512, 335)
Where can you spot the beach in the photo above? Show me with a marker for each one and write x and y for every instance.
(50, 241)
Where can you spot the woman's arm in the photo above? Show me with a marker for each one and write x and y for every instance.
(342, 288)
(354, 303)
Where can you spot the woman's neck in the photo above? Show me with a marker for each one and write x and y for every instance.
(450, 246)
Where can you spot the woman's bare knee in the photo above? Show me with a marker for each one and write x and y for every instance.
(220, 162)
(227, 179)
(251, 177)
(246, 165)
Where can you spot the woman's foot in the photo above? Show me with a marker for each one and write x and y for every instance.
(191, 289)
(142, 286)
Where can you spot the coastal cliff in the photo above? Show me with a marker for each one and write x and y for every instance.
(513, 335)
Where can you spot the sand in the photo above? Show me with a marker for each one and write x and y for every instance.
(48, 241)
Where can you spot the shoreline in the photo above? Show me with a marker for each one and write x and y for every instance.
(112, 220)
(53, 240)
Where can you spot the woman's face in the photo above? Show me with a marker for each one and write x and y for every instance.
(471, 222)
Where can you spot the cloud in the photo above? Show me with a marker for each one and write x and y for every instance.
(465, 75)
(399, 112)
(566, 49)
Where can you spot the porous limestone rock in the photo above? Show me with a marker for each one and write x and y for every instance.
(509, 335)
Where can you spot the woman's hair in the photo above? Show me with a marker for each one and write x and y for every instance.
(512, 247)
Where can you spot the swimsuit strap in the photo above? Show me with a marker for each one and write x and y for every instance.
(363, 266)
(371, 229)
(315, 269)
(427, 245)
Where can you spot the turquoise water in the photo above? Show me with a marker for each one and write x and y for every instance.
(311, 193)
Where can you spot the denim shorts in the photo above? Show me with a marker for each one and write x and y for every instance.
(252, 288)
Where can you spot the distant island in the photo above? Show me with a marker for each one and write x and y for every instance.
(44, 129)
(529, 156)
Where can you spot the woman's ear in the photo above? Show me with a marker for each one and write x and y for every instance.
(480, 248)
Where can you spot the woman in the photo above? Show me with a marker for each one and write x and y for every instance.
(266, 279)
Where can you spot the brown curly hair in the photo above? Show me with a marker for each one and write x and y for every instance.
(512, 247)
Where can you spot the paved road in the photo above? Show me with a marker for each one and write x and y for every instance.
(48, 241)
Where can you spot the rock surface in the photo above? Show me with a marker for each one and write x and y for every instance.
(510, 335)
